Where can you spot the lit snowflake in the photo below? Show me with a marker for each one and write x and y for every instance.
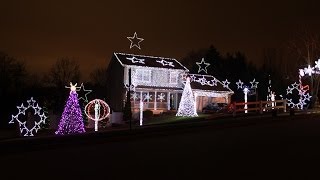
(147, 97)
(309, 70)
(135, 96)
(22, 125)
(161, 97)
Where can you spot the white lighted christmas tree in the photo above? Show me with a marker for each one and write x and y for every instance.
(187, 105)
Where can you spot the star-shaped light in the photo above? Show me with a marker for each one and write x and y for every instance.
(31, 102)
(83, 90)
(136, 60)
(165, 63)
(135, 41)
(202, 81)
(37, 109)
(307, 96)
(254, 84)
(22, 109)
(225, 83)
(192, 78)
(202, 66)
(239, 84)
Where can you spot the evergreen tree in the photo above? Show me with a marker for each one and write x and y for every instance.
(187, 103)
(71, 121)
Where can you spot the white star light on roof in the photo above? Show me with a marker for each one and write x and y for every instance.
(239, 84)
(225, 83)
(135, 60)
(202, 66)
(202, 81)
(165, 63)
(135, 41)
(254, 84)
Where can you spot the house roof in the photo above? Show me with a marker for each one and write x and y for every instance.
(207, 83)
(148, 61)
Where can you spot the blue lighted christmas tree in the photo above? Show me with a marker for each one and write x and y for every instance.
(71, 121)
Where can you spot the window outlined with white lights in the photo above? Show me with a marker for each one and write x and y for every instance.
(143, 75)
(173, 77)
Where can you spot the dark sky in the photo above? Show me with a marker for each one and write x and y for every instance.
(40, 31)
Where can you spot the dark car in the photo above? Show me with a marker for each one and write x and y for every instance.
(215, 107)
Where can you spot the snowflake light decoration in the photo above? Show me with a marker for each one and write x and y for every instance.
(24, 130)
(135, 96)
(161, 97)
(309, 70)
(147, 97)
(302, 91)
(165, 63)
(135, 41)
(202, 66)
(225, 83)
(135, 60)
(317, 64)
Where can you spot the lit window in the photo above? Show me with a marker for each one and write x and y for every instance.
(143, 75)
(173, 77)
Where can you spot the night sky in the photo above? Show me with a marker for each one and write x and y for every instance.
(41, 31)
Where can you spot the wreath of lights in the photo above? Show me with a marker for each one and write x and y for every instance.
(302, 91)
(22, 111)
(133, 38)
(202, 66)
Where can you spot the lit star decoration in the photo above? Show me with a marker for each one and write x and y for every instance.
(254, 84)
(302, 91)
(165, 63)
(71, 121)
(202, 66)
(135, 41)
(239, 84)
(161, 97)
(22, 125)
(187, 106)
(87, 91)
(225, 83)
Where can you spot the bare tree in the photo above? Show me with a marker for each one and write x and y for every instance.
(64, 71)
(304, 50)
(99, 76)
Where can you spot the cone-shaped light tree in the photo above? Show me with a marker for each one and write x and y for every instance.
(187, 105)
(71, 121)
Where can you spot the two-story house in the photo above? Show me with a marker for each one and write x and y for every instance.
(158, 82)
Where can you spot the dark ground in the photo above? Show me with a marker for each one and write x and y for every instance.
(279, 148)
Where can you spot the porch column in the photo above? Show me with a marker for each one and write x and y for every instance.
(141, 98)
(176, 101)
(168, 101)
(155, 100)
